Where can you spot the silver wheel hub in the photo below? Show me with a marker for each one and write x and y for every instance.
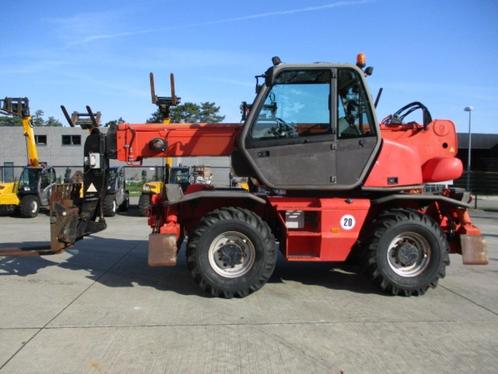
(231, 254)
(409, 254)
(34, 206)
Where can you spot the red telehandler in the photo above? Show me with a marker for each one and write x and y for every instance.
(326, 181)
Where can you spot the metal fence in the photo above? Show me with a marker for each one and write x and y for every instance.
(481, 182)
(135, 176)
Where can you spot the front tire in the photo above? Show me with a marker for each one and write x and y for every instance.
(29, 207)
(110, 206)
(407, 253)
(231, 253)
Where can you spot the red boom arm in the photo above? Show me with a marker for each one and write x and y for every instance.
(138, 141)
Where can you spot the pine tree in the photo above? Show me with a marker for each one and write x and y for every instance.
(210, 113)
(190, 113)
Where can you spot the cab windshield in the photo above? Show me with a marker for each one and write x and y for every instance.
(29, 179)
(298, 105)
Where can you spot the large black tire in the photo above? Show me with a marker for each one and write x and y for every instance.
(110, 206)
(29, 207)
(406, 253)
(250, 252)
(143, 203)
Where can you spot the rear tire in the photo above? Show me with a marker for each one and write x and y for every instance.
(407, 253)
(29, 206)
(110, 206)
(143, 203)
(231, 253)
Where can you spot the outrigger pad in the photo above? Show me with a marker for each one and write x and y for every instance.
(473, 250)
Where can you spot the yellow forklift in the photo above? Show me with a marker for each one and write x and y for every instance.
(31, 191)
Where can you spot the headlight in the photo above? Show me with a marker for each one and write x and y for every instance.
(146, 188)
(26, 188)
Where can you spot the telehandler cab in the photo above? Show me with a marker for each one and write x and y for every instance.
(326, 180)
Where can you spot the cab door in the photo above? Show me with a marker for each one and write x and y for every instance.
(291, 141)
(47, 180)
(357, 134)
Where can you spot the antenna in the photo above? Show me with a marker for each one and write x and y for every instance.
(379, 94)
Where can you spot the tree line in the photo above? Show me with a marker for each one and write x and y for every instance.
(184, 113)
(36, 119)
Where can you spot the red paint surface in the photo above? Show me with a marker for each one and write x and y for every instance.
(185, 139)
(408, 152)
(322, 238)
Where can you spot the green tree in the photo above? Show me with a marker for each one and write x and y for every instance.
(115, 122)
(210, 113)
(37, 118)
(156, 117)
(190, 113)
(10, 121)
(53, 122)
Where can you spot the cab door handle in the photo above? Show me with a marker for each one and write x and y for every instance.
(263, 153)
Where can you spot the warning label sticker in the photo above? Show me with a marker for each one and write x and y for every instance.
(348, 222)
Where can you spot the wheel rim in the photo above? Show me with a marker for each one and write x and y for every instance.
(231, 254)
(114, 206)
(409, 254)
(34, 206)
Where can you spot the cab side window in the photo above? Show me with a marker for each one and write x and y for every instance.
(298, 105)
(354, 117)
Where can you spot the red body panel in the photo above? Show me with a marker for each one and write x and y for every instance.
(414, 155)
(185, 139)
(396, 160)
(442, 169)
(331, 227)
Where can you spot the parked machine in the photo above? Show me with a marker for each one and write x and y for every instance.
(327, 181)
(32, 190)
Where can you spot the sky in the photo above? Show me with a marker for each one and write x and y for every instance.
(99, 53)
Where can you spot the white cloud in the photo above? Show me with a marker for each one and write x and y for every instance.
(106, 35)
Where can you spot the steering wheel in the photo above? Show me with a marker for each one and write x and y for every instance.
(283, 129)
(398, 117)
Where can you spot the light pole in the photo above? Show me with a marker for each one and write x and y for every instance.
(469, 109)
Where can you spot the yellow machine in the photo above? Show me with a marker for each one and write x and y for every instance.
(32, 189)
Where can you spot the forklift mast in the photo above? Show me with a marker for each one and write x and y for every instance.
(164, 104)
(19, 107)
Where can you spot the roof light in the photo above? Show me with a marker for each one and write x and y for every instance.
(361, 60)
